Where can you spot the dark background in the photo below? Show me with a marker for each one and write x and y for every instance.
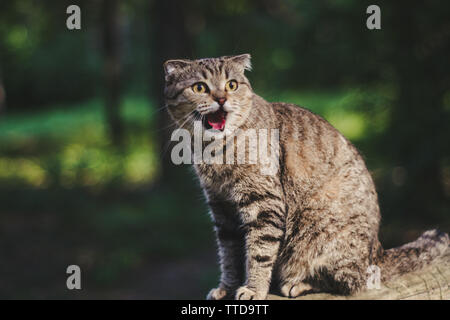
(85, 176)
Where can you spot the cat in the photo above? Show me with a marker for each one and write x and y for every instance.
(312, 226)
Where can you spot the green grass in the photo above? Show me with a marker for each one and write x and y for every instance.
(69, 146)
(65, 120)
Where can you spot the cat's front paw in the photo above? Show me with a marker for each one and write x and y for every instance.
(244, 293)
(217, 294)
(293, 290)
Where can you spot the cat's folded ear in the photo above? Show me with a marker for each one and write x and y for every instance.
(172, 66)
(244, 60)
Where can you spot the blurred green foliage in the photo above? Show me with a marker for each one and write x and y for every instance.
(69, 147)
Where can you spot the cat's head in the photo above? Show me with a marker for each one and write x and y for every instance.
(212, 90)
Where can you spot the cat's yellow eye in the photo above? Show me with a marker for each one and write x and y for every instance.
(200, 87)
(231, 85)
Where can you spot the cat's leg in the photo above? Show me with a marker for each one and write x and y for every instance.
(294, 289)
(345, 276)
(293, 269)
(230, 241)
(232, 260)
(348, 277)
(342, 268)
(343, 264)
(264, 225)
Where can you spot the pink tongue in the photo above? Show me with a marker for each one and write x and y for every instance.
(216, 120)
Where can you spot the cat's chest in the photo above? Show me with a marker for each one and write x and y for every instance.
(216, 178)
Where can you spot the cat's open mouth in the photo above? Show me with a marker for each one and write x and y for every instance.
(215, 120)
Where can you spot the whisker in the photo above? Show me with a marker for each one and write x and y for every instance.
(173, 124)
(190, 116)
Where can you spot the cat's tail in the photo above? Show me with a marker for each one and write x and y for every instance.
(414, 255)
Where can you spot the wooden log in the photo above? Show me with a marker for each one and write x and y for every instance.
(430, 283)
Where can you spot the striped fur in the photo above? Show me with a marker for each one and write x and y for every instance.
(312, 226)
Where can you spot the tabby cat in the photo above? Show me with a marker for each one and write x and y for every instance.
(311, 226)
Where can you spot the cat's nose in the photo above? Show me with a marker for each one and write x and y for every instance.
(221, 101)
